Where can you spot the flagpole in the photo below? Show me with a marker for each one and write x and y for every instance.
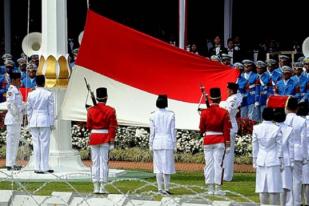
(182, 6)
(54, 65)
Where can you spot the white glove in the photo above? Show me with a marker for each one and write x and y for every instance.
(254, 163)
(292, 163)
(256, 104)
(111, 146)
(150, 148)
(52, 127)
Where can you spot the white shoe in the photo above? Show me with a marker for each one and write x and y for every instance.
(210, 189)
(96, 187)
(102, 189)
(219, 190)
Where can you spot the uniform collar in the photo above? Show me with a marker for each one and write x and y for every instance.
(291, 114)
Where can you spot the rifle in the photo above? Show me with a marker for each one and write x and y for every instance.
(94, 101)
(205, 95)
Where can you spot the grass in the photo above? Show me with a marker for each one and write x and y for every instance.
(243, 183)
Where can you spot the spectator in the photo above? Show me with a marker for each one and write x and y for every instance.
(232, 52)
(30, 80)
(194, 49)
(218, 49)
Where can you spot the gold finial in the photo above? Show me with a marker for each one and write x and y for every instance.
(50, 66)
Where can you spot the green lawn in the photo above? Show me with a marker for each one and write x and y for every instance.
(185, 183)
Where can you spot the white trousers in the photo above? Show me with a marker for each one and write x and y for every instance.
(229, 160)
(12, 142)
(99, 157)
(213, 154)
(297, 182)
(41, 140)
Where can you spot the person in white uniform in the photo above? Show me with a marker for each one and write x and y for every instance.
(303, 110)
(162, 142)
(40, 111)
(287, 149)
(231, 105)
(299, 150)
(13, 120)
(267, 159)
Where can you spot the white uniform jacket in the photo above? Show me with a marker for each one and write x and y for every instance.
(40, 108)
(287, 144)
(266, 144)
(231, 105)
(162, 130)
(15, 107)
(299, 151)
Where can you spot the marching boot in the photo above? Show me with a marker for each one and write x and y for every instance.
(211, 188)
(219, 190)
(96, 187)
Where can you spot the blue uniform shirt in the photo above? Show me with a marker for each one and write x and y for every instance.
(249, 93)
(28, 82)
(3, 88)
(288, 87)
(302, 82)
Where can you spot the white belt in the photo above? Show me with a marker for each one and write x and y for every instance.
(102, 131)
(213, 133)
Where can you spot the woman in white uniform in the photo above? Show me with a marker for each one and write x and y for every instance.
(267, 159)
(163, 143)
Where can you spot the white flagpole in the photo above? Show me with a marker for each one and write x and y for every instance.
(182, 23)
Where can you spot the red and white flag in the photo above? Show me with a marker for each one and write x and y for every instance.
(135, 68)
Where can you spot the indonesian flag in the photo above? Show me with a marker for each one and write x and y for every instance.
(135, 68)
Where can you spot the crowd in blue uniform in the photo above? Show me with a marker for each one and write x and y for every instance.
(259, 80)
(23, 66)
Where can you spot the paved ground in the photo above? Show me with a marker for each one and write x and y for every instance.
(148, 166)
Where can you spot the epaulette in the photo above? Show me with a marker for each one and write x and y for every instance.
(169, 111)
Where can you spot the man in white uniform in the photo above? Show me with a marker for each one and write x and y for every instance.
(231, 105)
(40, 110)
(13, 120)
(299, 150)
(163, 143)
